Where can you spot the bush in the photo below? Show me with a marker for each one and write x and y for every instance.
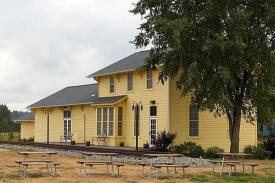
(269, 145)
(164, 140)
(257, 152)
(249, 149)
(211, 152)
(190, 149)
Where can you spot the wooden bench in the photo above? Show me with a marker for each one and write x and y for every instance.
(252, 165)
(91, 164)
(148, 164)
(82, 163)
(99, 138)
(118, 165)
(214, 163)
(159, 166)
(66, 138)
(26, 164)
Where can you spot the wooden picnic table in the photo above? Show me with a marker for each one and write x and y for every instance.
(167, 155)
(231, 155)
(27, 163)
(107, 163)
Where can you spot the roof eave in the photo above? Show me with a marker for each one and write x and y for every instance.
(63, 105)
(106, 74)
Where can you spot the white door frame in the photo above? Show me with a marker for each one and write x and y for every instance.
(67, 119)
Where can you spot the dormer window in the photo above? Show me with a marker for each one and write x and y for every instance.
(130, 81)
(149, 79)
(112, 84)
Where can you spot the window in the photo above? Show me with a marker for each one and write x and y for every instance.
(112, 84)
(120, 119)
(149, 79)
(193, 121)
(105, 111)
(111, 121)
(99, 113)
(153, 111)
(130, 81)
(136, 117)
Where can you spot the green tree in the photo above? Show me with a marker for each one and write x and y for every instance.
(225, 49)
(6, 123)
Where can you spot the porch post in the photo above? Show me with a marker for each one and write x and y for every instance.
(48, 126)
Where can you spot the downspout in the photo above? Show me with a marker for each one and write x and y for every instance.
(168, 104)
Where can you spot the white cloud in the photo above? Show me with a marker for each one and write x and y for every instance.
(46, 45)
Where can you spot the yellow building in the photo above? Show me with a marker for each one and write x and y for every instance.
(109, 107)
(27, 125)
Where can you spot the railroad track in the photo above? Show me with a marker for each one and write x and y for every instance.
(126, 152)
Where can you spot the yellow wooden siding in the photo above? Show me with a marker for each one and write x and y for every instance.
(27, 129)
(159, 93)
(40, 126)
(212, 131)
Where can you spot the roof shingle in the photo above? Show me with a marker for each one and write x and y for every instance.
(132, 62)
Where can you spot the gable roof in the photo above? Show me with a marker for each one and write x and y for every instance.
(26, 117)
(130, 63)
(75, 95)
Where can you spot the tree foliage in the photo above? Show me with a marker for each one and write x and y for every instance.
(6, 121)
(224, 48)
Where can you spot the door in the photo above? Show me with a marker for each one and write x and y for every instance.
(67, 126)
(153, 125)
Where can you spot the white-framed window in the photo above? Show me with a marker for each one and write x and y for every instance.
(193, 121)
(112, 84)
(149, 79)
(67, 124)
(99, 119)
(111, 121)
(120, 121)
(130, 81)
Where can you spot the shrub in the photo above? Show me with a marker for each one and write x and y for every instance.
(269, 145)
(249, 149)
(164, 140)
(121, 144)
(146, 145)
(257, 152)
(87, 143)
(31, 139)
(211, 152)
(190, 149)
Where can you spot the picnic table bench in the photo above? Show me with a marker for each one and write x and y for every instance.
(91, 164)
(166, 165)
(24, 164)
(233, 164)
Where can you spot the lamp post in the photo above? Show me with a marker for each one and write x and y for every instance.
(137, 107)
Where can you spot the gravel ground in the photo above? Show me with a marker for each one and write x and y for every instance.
(195, 162)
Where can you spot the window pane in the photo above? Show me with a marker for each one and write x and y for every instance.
(111, 124)
(193, 121)
(119, 128)
(98, 128)
(99, 114)
(111, 114)
(65, 114)
(120, 113)
(105, 114)
(153, 111)
(105, 128)
(130, 81)
(149, 79)
(112, 84)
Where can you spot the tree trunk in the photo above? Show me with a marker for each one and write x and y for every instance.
(235, 131)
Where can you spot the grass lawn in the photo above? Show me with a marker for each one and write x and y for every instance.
(68, 172)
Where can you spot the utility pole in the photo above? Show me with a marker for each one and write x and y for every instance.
(137, 107)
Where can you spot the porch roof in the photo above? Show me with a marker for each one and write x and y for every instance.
(26, 117)
(76, 95)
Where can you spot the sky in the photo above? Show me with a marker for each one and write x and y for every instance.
(46, 45)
